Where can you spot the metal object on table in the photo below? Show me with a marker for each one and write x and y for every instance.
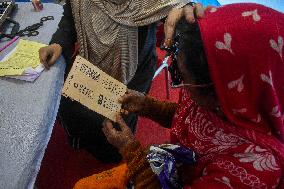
(28, 31)
(32, 30)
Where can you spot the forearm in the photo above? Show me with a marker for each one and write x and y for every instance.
(66, 35)
(140, 171)
(161, 112)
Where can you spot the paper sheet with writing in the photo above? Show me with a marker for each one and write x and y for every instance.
(25, 56)
(94, 88)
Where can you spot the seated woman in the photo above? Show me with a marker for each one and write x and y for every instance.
(232, 65)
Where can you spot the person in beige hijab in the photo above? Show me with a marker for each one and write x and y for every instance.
(118, 36)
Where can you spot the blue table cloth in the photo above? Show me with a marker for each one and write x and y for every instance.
(28, 110)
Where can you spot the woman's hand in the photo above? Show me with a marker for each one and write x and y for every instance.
(176, 14)
(132, 101)
(119, 139)
(49, 54)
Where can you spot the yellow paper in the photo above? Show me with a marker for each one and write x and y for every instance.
(94, 88)
(25, 55)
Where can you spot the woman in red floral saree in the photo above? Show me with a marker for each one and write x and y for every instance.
(233, 118)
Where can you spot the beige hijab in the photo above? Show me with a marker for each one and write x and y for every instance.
(107, 31)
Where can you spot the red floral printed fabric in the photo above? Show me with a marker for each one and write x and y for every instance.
(244, 48)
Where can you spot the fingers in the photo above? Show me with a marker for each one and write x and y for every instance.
(49, 54)
(123, 111)
(128, 97)
(208, 7)
(130, 91)
(125, 97)
(175, 15)
(189, 13)
(199, 10)
(108, 129)
(56, 51)
(121, 123)
(133, 102)
(53, 58)
(130, 107)
(170, 24)
(43, 57)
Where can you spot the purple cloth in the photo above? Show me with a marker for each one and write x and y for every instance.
(164, 161)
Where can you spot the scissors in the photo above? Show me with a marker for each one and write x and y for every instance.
(28, 31)
(172, 53)
(45, 18)
(32, 30)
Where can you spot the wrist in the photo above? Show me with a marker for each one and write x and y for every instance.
(126, 145)
(147, 103)
(143, 104)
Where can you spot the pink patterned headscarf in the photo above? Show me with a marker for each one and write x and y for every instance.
(244, 48)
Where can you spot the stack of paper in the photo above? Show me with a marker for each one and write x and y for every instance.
(23, 61)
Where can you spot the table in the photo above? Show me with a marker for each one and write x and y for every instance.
(28, 110)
